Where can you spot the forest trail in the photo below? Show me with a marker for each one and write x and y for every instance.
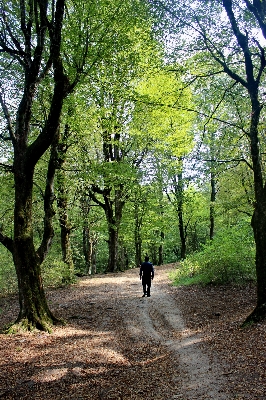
(159, 319)
(116, 345)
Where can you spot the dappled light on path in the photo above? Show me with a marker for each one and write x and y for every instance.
(116, 345)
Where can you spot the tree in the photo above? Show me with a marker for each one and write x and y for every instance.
(139, 203)
(45, 52)
(110, 100)
(31, 37)
(219, 146)
(62, 202)
(178, 192)
(90, 237)
(227, 36)
(160, 115)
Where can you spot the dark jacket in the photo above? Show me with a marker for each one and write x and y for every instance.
(146, 271)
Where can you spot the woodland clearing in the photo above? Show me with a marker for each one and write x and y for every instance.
(181, 343)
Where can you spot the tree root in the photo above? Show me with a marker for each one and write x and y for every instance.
(257, 315)
(25, 325)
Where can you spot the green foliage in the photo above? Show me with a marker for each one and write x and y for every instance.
(54, 271)
(230, 257)
(126, 101)
(161, 112)
(8, 283)
(8, 278)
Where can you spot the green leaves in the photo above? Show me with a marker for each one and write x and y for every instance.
(161, 111)
(229, 258)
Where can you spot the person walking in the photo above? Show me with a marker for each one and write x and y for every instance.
(146, 273)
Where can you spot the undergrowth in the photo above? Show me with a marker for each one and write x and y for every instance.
(229, 257)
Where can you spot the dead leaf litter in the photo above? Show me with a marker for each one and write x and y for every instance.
(181, 343)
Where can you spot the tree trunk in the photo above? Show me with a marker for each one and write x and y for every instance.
(259, 218)
(138, 250)
(93, 257)
(62, 202)
(138, 240)
(113, 209)
(259, 229)
(123, 261)
(86, 249)
(89, 238)
(254, 71)
(178, 193)
(34, 310)
(113, 249)
(66, 247)
(154, 253)
(89, 251)
(65, 228)
(182, 233)
(160, 261)
(140, 205)
(213, 198)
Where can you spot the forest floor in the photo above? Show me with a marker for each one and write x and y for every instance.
(181, 343)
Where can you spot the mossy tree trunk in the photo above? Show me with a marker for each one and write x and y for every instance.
(38, 51)
(34, 310)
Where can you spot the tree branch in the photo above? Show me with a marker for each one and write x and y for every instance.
(7, 242)
(6, 167)
(94, 198)
(220, 60)
(257, 11)
(243, 43)
(7, 117)
(237, 160)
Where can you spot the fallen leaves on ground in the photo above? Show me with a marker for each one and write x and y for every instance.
(96, 357)
(93, 357)
(217, 313)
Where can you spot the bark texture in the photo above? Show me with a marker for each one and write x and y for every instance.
(252, 84)
(39, 50)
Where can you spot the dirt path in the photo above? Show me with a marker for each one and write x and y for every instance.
(117, 345)
(160, 319)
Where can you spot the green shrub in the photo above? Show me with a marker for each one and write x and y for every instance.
(53, 272)
(230, 257)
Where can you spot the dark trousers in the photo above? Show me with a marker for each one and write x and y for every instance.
(146, 283)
